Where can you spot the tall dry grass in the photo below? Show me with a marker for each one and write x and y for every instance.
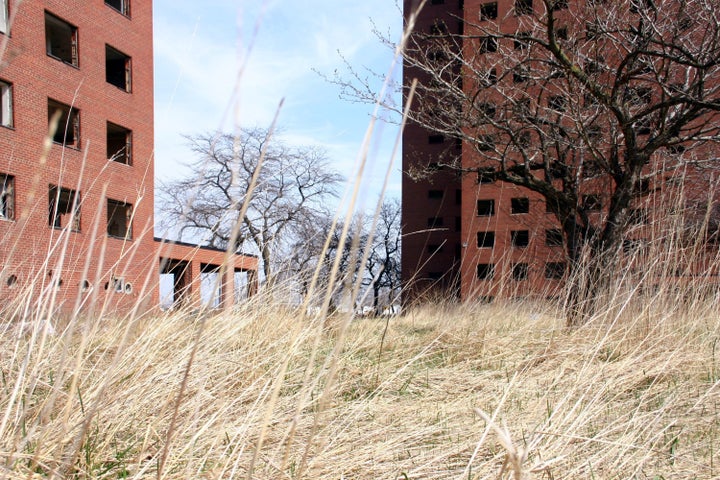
(448, 391)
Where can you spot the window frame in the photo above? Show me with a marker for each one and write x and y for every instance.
(112, 207)
(127, 67)
(7, 197)
(124, 7)
(64, 201)
(490, 204)
(53, 21)
(69, 122)
(128, 154)
(6, 104)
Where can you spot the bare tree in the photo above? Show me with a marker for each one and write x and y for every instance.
(599, 96)
(383, 264)
(292, 185)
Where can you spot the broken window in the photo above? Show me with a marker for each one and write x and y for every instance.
(67, 129)
(488, 11)
(522, 40)
(61, 39)
(519, 205)
(64, 208)
(435, 194)
(520, 238)
(7, 197)
(122, 6)
(557, 103)
(554, 270)
(117, 68)
(486, 239)
(520, 271)
(119, 144)
(488, 44)
(6, 104)
(119, 219)
(560, 4)
(486, 208)
(435, 139)
(485, 271)
(554, 237)
(4, 16)
(523, 7)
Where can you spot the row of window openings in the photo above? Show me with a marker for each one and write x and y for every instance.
(64, 209)
(489, 11)
(118, 285)
(521, 271)
(61, 42)
(520, 205)
(521, 238)
(66, 123)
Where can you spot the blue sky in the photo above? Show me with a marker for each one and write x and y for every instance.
(199, 47)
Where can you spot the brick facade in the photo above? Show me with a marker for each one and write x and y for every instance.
(98, 60)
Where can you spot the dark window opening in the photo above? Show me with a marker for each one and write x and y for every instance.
(486, 208)
(638, 216)
(557, 103)
(118, 70)
(523, 7)
(519, 205)
(61, 39)
(520, 238)
(521, 41)
(484, 178)
(485, 271)
(64, 208)
(560, 5)
(437, 2)
(486, 143)
(435, 194)
(119, 219)
(122, 6)
(488, 44)
(433, 249)
(458, 196)
(521, 74)
(435, 139)
(523, 139)
(554, 270)
(554, 237)
(591, 202)
(488, 11)
(433, 222)
(458, 224)
(486, 239)
(7, 197)
(67, 130)
(520, 271)
(119, 144)
(561, 33)
(491, 78)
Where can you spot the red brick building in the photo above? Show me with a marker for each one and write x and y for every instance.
(76, 211)
(464, 234)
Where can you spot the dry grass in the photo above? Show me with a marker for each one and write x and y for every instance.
(456, 392)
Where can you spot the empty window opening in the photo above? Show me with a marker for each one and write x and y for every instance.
(485, 271)
(519, 205)
(484, 178)
(61, 39)
(437, 2)
(433, 249)
(435, 139)
(11, 281)
(117, 68)
(523, 7)
(520, 271)
(7, 197)
(522, 40)
(520, 238)
(489, 11)
(64, 124)
(554, 270)
(6, 104)
(491, 77)
(557, 103)
(553, 237)
(433, 222)
(175, 282)
(486, 208)
(486, 239)
(119, 144)
(560, 4)
(435, 194)
(122, 6)
(591, 202)
(85, 286)
(119, 219)
(488, 44)
(211, 285)
(64, 208)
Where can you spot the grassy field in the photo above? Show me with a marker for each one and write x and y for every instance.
(466, 392)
